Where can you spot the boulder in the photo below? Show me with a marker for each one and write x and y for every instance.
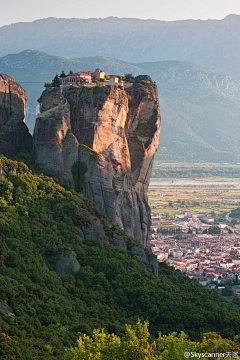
(119, 241)
(139, 254)
(5, 308)
(96, 232)
(68, 303)
(80, 237)
(153, 263)
(66, 256)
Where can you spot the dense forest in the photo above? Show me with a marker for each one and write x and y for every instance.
(47, 312)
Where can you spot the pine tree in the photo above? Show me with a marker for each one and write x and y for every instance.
(56, 81)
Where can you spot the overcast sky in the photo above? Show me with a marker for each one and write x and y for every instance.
(13, 11)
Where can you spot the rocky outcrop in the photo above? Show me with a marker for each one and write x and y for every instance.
(65, 258)
(139, 254)
(146, 257)
(7, 310)
(103, 140)
(119, 241)
(14, 134)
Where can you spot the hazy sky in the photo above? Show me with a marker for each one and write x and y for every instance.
(13, 11)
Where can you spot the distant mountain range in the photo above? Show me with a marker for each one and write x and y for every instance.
(213, 43)
(200, 106)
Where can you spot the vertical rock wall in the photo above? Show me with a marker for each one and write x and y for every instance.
(14, 134)
(114, 132)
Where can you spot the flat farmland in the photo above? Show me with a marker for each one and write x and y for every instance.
(211, 194)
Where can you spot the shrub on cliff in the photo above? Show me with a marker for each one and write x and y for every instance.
(129, 77)
(78, 169)
(48, 85)
(98, 89)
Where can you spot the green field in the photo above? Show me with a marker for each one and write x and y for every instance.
(194, 170)
(210, 195)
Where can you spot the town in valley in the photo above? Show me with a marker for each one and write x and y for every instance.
(196, 230)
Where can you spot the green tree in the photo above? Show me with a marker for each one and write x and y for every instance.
(235, 221)
(214, 230)
(227, 291)
(228, 282)
(136, 345)
(63, 74)
(133, 346)
(129, 77)
(56, 81)
(78, 169)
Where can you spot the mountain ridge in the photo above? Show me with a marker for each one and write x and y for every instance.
(226, 18)
(201, 41)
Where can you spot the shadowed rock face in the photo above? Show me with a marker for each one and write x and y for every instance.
(115, 133)
(14, 133)
(66, 256)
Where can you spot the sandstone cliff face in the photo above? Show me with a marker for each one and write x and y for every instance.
(114, 133)
(13, 132)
